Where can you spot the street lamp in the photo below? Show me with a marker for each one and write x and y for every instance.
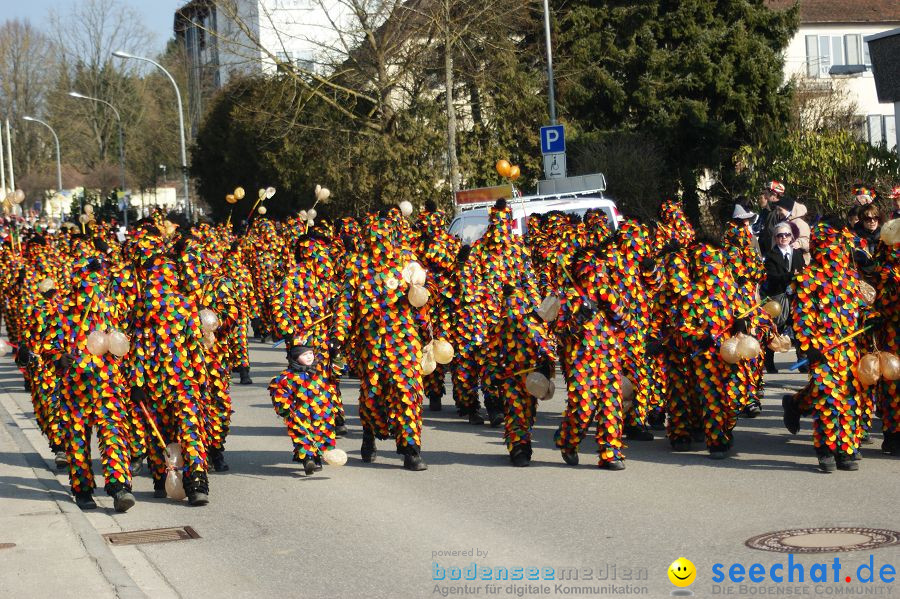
(121, 146)
(58, 163)
(550, 88)
(184, 167)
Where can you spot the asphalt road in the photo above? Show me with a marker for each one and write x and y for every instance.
(377, 530)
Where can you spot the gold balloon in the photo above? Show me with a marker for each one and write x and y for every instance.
(418, 296)
(772, 308)
(239, 193)
(231, 198)
(729, 351)
(537, 385)
(503, 168)
(514, 172)
(890, 365)
(443, 351)
(262, 210)
(748, 347)
(869, 369)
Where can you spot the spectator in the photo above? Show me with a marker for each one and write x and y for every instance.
(867, 231)
(782, 263)
(792, 212)
(853, 216)
(768, 216)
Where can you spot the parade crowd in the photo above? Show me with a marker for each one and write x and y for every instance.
(651, 326)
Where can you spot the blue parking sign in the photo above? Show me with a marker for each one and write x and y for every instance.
(553, 140)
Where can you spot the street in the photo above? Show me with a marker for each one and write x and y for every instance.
(377, 530)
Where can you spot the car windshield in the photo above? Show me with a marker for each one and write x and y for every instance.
(469, 226)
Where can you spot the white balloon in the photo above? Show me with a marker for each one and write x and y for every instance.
(406, 208)
(119, 344)
(537, 385)
(174, 459)
(418, 296)
(270, 191)
(443, 351)
(174, 485)
(335, 457)
(208, 320)
(311, 213)
(97, 343)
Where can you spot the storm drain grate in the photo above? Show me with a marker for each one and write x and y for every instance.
(151, 535)
(824, 540)
(7, 545)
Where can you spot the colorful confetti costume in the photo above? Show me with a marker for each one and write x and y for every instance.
(266, 269)
(521, 340)
(387, 347)
(167, 363)
(304, 396)
(749, 271)
(827, 309)
(590, 327)
(888, 304)
(92, 389)
(498, 258)
(698, 313)
(438, 250)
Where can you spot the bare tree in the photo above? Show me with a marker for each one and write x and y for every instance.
(87, 35)
(26, 77)
(824, 105)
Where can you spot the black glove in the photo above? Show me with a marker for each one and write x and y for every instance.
(94, 265)
(427, 240)
(814, 356)
(137, 395)
(20, 278)
(100, 245)
(333, 350)
(178, 247)
(23, 355)
(586, 312)
(875, 321)
(654, 348)
(741, 281)
(65, 362)
(740, 326)
(648, 264)
(546, 368)
(463, 254)
(705, 343)
(256, 323)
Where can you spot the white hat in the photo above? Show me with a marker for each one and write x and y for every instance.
(741, 212)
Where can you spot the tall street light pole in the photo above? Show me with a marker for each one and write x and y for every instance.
(184, 166)
(549, 63)
(58, 163)
(121, 148)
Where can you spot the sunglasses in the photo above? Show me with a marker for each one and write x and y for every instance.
(784, 235)
(870, 219)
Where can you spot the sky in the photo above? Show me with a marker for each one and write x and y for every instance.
(157, 15)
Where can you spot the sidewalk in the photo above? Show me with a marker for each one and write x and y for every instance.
(58, 552)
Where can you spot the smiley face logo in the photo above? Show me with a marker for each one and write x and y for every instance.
(682, 572)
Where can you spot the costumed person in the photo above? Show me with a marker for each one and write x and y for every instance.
(887, 285)
(591, 330)
(438, 250)
(828, 308)
(782, 264)
(696, 312)
(167, 363)
(303, 394)
(92, 384)
(374, 307)
(520, 340)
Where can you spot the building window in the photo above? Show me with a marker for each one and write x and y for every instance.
(826, 51)
(882, 129)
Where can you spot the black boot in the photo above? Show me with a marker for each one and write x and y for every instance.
(123, 500)
(890, 445)
(244, 371)
(217, 459)
(61, 459)
(85, 500)
(614, 465)
(196, 485)
(495, 412)
(827, 463)
(475, 416)
(770, 362)
(340, 427)
(570, 458)
(434, 403)
(846, 462)
(159, 488)
(368, 447)
(638, 433)
(520, 455)
(657, 420)
(681, 444)
(413, 461)
(309, 465)
(752, 409)
(791, 414)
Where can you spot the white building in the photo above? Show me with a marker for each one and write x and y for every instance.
(828, 48)
(228, 38)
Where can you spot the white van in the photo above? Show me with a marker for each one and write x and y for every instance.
(472, 220)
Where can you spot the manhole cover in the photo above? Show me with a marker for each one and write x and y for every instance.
(824, 540)
(151, 535)
(7, 545)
